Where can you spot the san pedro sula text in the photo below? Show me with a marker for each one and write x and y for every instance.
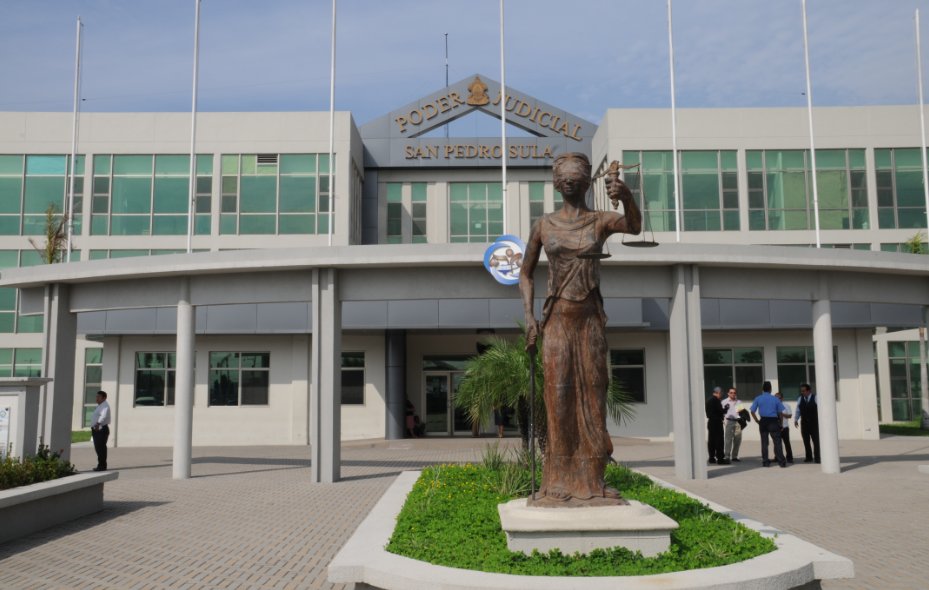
(477, 152)
(515, 105)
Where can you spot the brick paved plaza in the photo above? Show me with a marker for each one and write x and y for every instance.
(249, 518)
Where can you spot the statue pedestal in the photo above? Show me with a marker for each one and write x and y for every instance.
(637, 527)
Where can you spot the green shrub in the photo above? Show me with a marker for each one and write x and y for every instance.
(44, 466)
(450, 518)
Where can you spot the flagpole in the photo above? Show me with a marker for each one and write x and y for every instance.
(503, 151)
(809, 110)
(74, 127)
(922, 118)
(677, 176)
(331, 123)
(192, 186)
(446, 76)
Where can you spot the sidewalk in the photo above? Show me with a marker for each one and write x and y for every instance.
(249, 518)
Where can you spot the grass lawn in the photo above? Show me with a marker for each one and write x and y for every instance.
(910, 428)
(450, 518)
(80, 436)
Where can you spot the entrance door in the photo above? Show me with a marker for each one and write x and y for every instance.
(442, 417)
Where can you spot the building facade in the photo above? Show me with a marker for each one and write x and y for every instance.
(406, 193)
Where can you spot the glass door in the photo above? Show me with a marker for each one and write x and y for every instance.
(442, 417)
(437, 402)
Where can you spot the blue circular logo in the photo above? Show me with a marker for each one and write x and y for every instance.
(504, 258)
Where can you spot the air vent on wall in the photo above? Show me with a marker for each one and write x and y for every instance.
(267, 159)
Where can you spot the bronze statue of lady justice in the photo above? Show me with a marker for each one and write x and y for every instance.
(573, 326)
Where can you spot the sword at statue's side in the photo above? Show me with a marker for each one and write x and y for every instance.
(532, 422)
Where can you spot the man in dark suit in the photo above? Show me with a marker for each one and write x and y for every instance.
(714, 427)
(808, 417)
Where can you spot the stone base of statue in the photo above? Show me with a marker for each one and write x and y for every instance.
(635, 526)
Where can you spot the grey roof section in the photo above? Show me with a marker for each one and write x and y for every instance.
(389, 140)
(446, 287)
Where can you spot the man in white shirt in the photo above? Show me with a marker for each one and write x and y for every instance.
(732, 433)
(100, 429)
(785, 428)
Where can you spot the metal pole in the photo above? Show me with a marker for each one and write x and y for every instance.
(677, 176)
(503, 115)
(192, 186)
(69, 212)
(922, 118)
(331, 123)
(446, 76)
(809, 110)
(532, 424)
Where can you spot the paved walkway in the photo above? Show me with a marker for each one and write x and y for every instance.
(249, 518)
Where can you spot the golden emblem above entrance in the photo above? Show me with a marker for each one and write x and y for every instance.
(477, 93)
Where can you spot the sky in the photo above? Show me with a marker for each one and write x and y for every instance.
(584, 56)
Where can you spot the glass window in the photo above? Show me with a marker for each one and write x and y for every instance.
(780, 189)
(154, 379)
(240, 378)
(742, 368)
(353, 378)
(796, 365)
(627, 367)
(652, 185)
(900, 197)
(93, 382)
(149, 195)
(394, 212)
(905, 380)
(418, 212)
(27, 362)
(274, 193)
(475, 211)
(536, 202)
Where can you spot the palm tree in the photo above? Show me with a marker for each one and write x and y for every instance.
(499, 377)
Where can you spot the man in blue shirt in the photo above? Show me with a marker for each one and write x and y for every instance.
(771, 411)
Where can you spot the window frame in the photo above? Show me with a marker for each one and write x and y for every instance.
(239, 369)
(354, 369)
(613, 367)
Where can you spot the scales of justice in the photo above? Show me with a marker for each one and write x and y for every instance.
(611, 175)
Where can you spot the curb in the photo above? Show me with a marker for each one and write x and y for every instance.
(363, 559)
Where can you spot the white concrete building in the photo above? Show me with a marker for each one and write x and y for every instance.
(395, 307)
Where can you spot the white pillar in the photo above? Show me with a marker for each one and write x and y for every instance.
(326, 388)
(924, 383)
(825, 386)
(184, 384)
(686, 360)
(60, 326)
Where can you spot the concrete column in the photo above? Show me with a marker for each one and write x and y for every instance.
(326, 367)
(867, 384)
(924, 381)
(395, 345)
(686, 361)
(58, 365)
(883, 374)
(184, 384)
(825, 386)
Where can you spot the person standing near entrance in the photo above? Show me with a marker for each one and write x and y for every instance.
(100, 429)
(771, 411)
(732, 429)
(714, 427)
(808, 417)
(785, 429)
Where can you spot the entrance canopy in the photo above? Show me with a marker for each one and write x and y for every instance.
(683, 289)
